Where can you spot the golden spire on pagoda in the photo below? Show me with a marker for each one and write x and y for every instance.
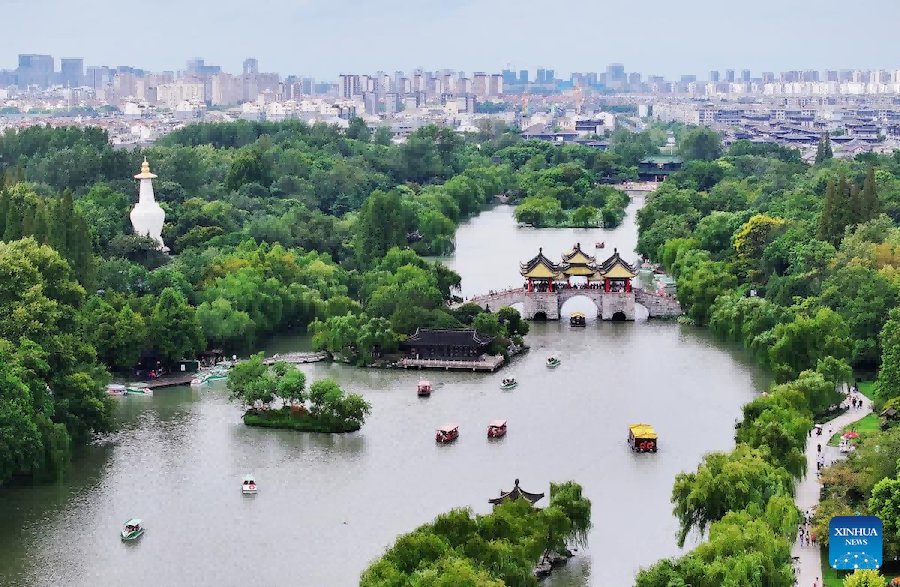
(145, 171)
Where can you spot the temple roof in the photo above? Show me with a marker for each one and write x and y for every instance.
(616, 268)
(515, 494)
(540, 267)
(464, 337)
(578, 257)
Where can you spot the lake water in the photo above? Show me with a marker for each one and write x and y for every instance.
(329, 504)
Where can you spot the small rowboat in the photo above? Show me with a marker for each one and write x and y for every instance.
(600, 245)
(509, 383)
(132, 530)
(138, 389)
(248, 487)
(423, 389)
(497, 429)
(447, 433)
(553, 362)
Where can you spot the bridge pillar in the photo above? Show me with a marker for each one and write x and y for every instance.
(541, 302)
(615, 302)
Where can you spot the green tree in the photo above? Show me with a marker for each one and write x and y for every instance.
(726, 482)
(378, 226)
(887, 386)
(869, 206)
(864, 578)
(358, 130)
(799, 344)
(702, 144)
(223, 326)
(487, 324)
(585, 216)
(174, 328)
(885, 503)
(824, 151)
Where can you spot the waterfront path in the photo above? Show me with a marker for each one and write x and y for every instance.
(808, 557)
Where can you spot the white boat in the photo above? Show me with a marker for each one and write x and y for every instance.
(132, 529)
(218, 373)
(248, 487)
(115, 389)
(138, 389)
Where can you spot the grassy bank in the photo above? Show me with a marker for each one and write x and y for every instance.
(866, 426)
(299, 420)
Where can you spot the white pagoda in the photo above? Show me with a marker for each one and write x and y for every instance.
(147, 217)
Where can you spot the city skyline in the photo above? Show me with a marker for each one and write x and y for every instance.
(324, 40)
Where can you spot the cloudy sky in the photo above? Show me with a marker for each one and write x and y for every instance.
(323, 38)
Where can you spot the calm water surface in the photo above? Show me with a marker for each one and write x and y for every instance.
(328, 505)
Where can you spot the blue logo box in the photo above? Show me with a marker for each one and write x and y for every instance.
(854, 542)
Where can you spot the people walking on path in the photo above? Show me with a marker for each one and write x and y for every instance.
(806, 549)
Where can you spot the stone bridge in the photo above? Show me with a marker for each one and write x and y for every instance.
(610, 305)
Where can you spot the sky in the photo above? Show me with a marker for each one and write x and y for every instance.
(324, 38)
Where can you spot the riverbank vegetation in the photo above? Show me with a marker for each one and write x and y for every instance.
(493, 550)
(797, 263)
(325, 407)
(272, 227)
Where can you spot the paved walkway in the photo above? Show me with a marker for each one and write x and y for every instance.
(809, 565)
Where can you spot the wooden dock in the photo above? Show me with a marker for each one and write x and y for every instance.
(487, 364)
(173, 381)
(297, 358)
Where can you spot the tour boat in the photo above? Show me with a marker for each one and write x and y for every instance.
(138, 389)
(447, 433)
(497, 429)
(423, 389)
(115, 389)
(553, 362)
(248, 487)
(132, 529)
(642, 438)
(600, 245)
(207, 376)
(508, 383)
(577, 319)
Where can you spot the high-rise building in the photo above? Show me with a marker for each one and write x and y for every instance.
(550, 76)
(391, 103)
(810, 76)
(35, 70)
(634, 79)
(98, 77)
(745, 76)
(831, 75)
(729, 75)
(509, 77)
(349, 86)
(541, 76)
(523, 76)
(495, 87)
(714, 76)
(71, 72)
(480, 83)
(688, 78)
(251, 66)
(768, 77)
(615, 72)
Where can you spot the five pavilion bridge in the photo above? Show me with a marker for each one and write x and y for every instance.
(608, 284)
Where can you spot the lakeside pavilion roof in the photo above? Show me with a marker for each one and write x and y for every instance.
(577, 263)
(515, 494)
(616, 268)
(578, 257)
(540, 267)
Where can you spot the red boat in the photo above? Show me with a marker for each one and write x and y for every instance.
(447, 433)
(424, 389)
(497, 429)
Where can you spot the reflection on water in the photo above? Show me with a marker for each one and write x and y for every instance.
(330, 504)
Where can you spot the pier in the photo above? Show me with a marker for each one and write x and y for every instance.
(487, 363)
(298, 358)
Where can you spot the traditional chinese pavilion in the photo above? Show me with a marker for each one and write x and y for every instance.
(615, 274)
(577, 263)
(516, 493)
(541, 272)
(449, 343)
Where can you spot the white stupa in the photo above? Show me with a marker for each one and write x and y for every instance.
(147, 216)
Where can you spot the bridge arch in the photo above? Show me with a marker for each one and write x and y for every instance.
(539, 316)
(619, 317)
(579, 303)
